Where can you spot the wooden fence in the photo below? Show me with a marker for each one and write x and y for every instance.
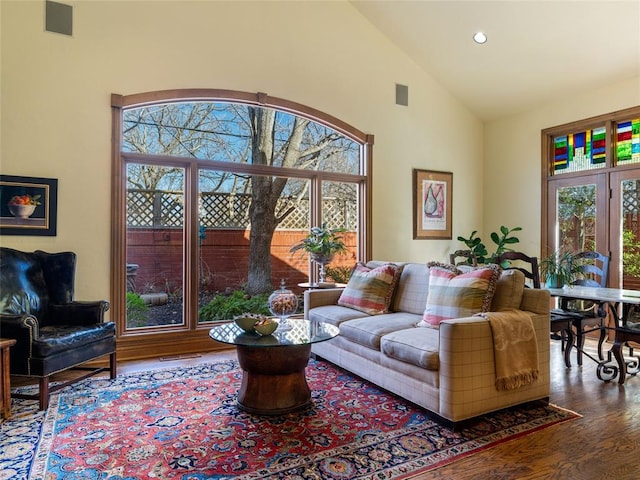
(224, 260)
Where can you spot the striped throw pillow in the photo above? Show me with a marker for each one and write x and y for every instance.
(454, 294)
(369, 290)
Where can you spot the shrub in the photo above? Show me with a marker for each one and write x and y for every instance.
(137, 311)
(225, 307)
(630, 253)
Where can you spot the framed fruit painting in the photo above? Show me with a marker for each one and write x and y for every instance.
(28, 205)
(432, 194)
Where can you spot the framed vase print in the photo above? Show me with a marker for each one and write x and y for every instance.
(432, 194)
(28, 205)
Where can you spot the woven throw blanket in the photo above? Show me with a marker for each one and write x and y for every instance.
(515, 348)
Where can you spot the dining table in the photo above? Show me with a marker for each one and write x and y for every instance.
(619, 303)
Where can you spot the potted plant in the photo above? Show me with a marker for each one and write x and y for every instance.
(559, 269)
(322, 244)
(501, 240)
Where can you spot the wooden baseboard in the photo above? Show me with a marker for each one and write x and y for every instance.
(168, 345)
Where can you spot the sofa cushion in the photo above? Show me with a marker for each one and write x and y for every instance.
(368, 331)
(411, 291)
(417, 346)
(509, 290)
(453, 294)
(64, 338)
(369, 290)
(334, 314)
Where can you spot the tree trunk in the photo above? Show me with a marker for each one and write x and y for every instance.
(263, 225)
(265, 193)
(263, 204)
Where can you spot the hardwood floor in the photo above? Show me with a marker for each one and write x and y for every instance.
(603, 444)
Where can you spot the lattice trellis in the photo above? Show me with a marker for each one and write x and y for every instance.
(140, 208)
(157, 208)
(219, 210)
(631, 197)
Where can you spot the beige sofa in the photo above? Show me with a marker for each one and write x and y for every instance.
(449, 371)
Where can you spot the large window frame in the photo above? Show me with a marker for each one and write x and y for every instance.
(193, 337)
(605, 177)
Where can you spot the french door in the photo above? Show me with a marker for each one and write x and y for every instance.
(599, 212)
(624, 228)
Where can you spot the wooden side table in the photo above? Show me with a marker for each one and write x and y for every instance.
(5, 378)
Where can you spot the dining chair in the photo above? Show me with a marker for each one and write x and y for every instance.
(522, 262)
(587, 316)
(560, 323)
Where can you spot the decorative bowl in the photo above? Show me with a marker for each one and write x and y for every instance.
(266, 327)
(247, 321)
(22, 211)
(283, 302)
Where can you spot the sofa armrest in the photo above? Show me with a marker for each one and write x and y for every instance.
(535, 300)
(463, 340)
(467, 364)
(320, 297)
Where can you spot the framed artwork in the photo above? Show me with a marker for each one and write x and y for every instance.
(28, 205)
(432, 194)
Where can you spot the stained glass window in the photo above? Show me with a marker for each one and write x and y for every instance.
(580, 151)
(628, 141)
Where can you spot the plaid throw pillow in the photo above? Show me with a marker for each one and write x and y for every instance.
(453, 294)
(370, 289)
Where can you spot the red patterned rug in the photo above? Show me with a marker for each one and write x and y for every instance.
(184, 424)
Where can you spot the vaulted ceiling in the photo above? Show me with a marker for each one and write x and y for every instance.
(537, 50)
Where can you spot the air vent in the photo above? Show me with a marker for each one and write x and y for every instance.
(58, 18)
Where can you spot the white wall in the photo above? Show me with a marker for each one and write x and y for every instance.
(55, 94)
(512, 177)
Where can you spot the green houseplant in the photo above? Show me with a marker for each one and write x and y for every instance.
(559, 269)
(321, 244)
(502, 241)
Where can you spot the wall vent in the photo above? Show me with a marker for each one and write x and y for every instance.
(402, 95)
(58, 18)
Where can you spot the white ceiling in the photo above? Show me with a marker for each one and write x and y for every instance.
(537, 50)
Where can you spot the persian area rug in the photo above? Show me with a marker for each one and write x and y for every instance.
(184, 424)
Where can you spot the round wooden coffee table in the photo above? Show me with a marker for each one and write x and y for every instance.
(273, 376)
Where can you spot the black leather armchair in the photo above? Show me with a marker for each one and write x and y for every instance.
(52, 331)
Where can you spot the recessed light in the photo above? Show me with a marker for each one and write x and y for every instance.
(480, 38)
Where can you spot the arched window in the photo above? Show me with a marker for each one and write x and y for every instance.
(212, 188)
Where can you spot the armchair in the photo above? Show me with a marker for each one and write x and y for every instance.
(53, 332)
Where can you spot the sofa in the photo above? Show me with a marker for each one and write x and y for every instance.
(449, 369)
